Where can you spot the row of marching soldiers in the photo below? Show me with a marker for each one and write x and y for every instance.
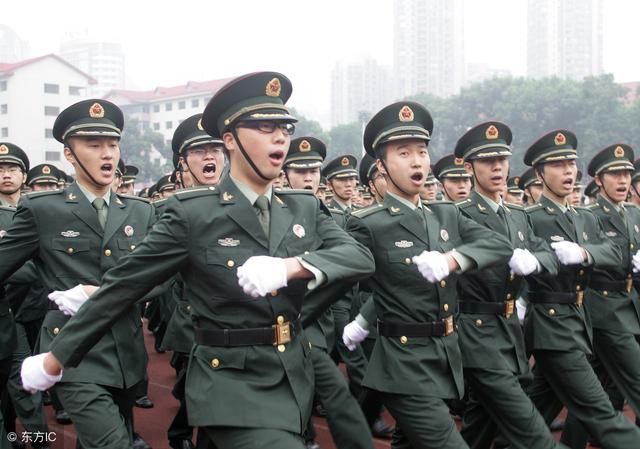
(271, 286)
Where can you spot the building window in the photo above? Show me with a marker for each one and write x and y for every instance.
(75, 90)
(156, 126)
(195, 103)
(168, 125)
(145, 108)
(51, 110)
(48, 133)
(51, 88)
(156, 108)
(182, 104)
(52, 155)
(145, 124)
(168, 106)
(3, 108)
(4, 132)
(3, 85)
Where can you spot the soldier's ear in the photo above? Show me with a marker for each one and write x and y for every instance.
(381, 168)
(229, 141)
(598, 180)
(468, 168)
(68, 155)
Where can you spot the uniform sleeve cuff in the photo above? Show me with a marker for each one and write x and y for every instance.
(318, 276)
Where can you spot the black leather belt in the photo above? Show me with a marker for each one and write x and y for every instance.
(506, 308)
(277, 334)
(52, 305)
(440, 328)
(556, 298)
(612, 286)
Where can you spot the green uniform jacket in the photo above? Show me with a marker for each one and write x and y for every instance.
(7, 325)
(60, 231)
(429, 366)
(206, 234)
(565, 327)
(616, 311)
(494, 341)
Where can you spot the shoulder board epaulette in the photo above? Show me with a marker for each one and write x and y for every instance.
(335, 210)
(32, 195)
(133, 197)
(293, 192)
(7, 209)
(462, 203)
(582, 207)
(159, 202)
(429, 203)
(361, 213)
(195, 192)
(514, 206)
(534, 207)
(593, 205)
(628, 204)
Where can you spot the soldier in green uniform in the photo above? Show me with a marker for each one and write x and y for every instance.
(127, 187)
(14, 165)
(456, 182)
(74, 236)
(491, 340)
(416, 361)
(371, 177)
(429, 190)
(557, 327)
(344, 416)
(514, 194)
(591, 191)
(531, 186)
(612, 300)
(242, 251)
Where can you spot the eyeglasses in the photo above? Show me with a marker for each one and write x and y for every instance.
(12, 169)
(200, 151)
(268, 127)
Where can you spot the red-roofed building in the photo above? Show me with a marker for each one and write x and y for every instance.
(32, 94)
(164, 108)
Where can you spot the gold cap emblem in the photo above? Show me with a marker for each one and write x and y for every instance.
(4, 149)
(200, 125)
(560, 139)
(96, 110)
(491, 133)
(304, 146)
(273, 88)
(458, 161)
(344, 162)
(618, 152)
(406, 114)
(46, 170)
(516, 180)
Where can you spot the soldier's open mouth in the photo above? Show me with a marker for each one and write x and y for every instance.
(209, 169)
(417, 177)
(276, 156)
(106, 167)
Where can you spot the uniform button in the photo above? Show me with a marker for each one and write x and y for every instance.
(212, 188)
(309, 345)
(230, 263)
(407, 261)
(445, 307)
(215, 363)
(281, 348)
(443, 283)
(578, 288)
(605, 293)
(508, 295)
(107, 252)
(552, 311)
(404, 340)
(189, 308)
(512, 277)
(274, 293)
(280, 319)
(56, 330)
(581, 272)
(132, 247)
(632, 246)
(306, 252)
(478, 322)
(70, 250)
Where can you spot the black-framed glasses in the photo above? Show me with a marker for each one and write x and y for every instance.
(202, 151)
(268, 127)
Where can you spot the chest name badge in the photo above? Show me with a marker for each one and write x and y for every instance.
(70, 234)
(299, 231)
(556, 238)
(444, 235)
(228, 242)
(611, 233)
(404, 244)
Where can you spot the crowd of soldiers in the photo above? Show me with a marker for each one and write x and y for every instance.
(445, 288)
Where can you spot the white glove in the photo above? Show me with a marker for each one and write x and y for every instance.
(522, 262)
(521, 309)
(69, 301)
(352, 334)
(34, 377)
(261, 274)
(569, 253)
(636, 262)
(432, 265)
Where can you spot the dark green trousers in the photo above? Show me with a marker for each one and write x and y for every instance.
(499, 402)
(348, 426)
(248, 438)
(567, 378)
(101, 415)
(5, 367)
(425, 421)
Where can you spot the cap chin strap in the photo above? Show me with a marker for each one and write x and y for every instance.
(393, 182)
(246, 156)
(551, 190)
(193, 175)
(73, 153)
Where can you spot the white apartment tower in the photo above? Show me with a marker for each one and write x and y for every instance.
(564, 38)
(428, 47)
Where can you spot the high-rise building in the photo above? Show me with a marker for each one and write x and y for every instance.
(104, 61)
(12, 48)
(428, 46)
(564, 38)
(359, 90)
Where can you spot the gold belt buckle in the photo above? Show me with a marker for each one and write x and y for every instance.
(282, 333)
(628, 285)
(448, 325)
(509, 307)
(579, 297)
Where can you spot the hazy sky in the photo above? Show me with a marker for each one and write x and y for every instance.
(170, 43)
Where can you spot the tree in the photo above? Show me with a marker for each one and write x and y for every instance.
(345, 139)
(146, 149)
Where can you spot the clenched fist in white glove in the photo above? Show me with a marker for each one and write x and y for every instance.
(432, 265)
(569, 253)
(352, 334)
(261, 274)
(34, 377)
(635, 260)
(69, 301)
(522, 262)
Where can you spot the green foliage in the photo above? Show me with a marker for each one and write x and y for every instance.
(137, 148)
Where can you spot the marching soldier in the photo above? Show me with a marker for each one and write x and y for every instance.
(127, 187)
(416, 362)
(429, 190)
(455, 181)
(371, 177)
(514, 194)
(557, 328)
(531, 186)
(248, 256)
